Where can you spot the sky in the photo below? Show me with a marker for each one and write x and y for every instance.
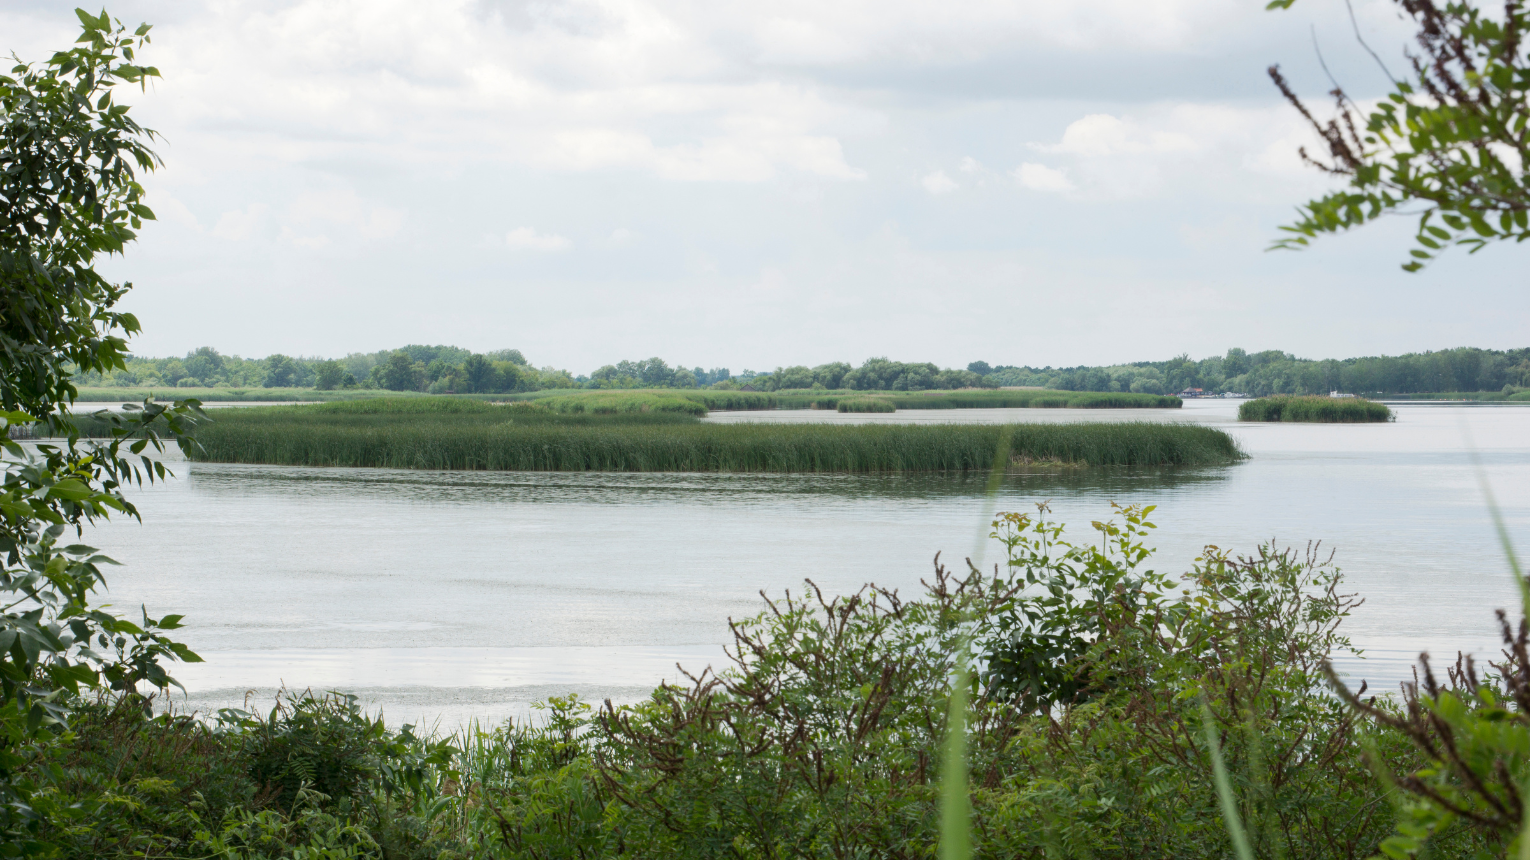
(755, 184)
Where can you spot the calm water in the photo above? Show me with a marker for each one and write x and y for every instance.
(447, 595)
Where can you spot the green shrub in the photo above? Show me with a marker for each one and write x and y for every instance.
(821, 738)
(865, 404)
(1331, 410)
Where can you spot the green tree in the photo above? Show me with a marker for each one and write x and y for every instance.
(1449, 143)
(205, 364)
(280, 370)
(480, 373)
(399, 373)
(69, 154)
(329, 375)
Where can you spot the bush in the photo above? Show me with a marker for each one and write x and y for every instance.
(316, 776)
(821, 738)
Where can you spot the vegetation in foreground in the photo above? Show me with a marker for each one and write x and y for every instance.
(1096, 680)
(445, 433)
(1327, 410)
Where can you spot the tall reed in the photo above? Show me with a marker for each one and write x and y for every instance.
(1328, 410)
(639, 443)
(1024, 399)
(865, 404)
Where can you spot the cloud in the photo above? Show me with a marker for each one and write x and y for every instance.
(938, 183)
(527, 239)
(240, 224)
(1039, 177)
(342, 206)
(1102, 134)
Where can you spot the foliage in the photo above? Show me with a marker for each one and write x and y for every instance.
(1452, 139)
(69, 154)
(865, 404)
(822, 737)
(978, 400)
(1330, 410)
(718, 399)
(316, 779)
(607, 403)
(367, 433)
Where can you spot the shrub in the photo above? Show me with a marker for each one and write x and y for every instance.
(822, 735)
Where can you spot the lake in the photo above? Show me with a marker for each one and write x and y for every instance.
(445, 596)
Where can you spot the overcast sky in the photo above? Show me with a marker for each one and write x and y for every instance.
(749, 184)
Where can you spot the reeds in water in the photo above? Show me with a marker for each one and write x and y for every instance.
(1330, 410)
(1026, 399)
(658, 442)
(866, 404)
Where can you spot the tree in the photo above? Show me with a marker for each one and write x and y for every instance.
(205, 364)
(280, 371)
(329, 375)
(480, 373)
(68, 192)
(1451, 141)
(399, 373)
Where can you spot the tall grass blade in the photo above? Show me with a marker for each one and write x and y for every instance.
(1229, 801)
(1001, 455)
(955, 804)
(1507, 543)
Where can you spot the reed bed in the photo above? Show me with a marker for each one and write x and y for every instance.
(614, 402)
(1328, 410)
(866, 404)
(659, 442)
(1027, 399)
(721, 400)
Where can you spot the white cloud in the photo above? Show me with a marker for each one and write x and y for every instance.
(240, 224)
(312, 242)
(345, 207)
(1102, 134)
(971, 165)
(621, 235)
(527, 239)
(1039, 177)
(938, 183)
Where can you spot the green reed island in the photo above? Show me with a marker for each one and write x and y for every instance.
(1324, 410)
(628, 432)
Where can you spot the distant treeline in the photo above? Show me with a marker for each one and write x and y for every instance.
(1276, 372)
(450, 369)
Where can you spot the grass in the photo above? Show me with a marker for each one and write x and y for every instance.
(462, 435)
(1327, 410)
(732, 401)
(972, 399)
(614, 402)
(229, 395)
(1484, 396)
(866, 404)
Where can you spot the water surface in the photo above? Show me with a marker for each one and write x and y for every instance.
(447, 595)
